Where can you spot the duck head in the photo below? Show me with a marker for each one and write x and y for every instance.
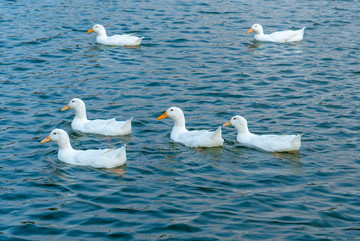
(174, 113)
(59, 136)
(256, 28)
(239, 123)
(98, 29)
(74, 104)
(78, 106)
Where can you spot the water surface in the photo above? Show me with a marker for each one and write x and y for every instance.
(195, 55)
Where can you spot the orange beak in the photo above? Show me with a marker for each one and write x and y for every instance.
(90, 31)
(250, 30)
(163, 116)
(66, 108)
(47, 139)
(227, 124)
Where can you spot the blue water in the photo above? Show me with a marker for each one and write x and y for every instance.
(195, 55)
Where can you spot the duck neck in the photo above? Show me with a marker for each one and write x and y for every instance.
(80, 113)
(64, 145)
(102, 34)
(179, 124)
(243, 129)
(260, 36)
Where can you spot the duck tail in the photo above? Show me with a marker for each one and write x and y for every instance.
(129, 120)
(138, 42)
(216, 136)
(122, 153)
(297, 139)
(127, 125)
(217, 133)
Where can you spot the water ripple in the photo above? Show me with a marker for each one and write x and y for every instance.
(198, 57)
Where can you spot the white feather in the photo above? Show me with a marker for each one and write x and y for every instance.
(119, 40)
(271, 143)
(109, 127)
(277, 37)
(102, 158)
(196, 138)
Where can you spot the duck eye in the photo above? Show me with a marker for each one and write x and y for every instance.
(54, 133)
(171, 110)
(234, 118)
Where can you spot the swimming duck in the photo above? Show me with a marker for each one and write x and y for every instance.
(109, 127)
(126, 40)
(104, 158)
(180, 134)
(271, 143)
(276, 37)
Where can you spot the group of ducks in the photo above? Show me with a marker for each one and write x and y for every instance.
(128, 40)
(110, 158)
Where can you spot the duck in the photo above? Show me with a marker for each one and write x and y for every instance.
(196, 138)
(125, 40)
(109, 127)
(102, 158)
(270, 143)
(286, 36)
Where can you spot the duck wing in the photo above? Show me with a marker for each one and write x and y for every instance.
(287, 36)
(109, 127)
(97, 125)
(277, 143)
(125, 40)
(104, 158)
(202, 138)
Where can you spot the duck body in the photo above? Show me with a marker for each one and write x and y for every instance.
(115, 40)
(270, 143)
(102, 158)
(119, 40)
(286, 36)
(194, 138)
(109, 127)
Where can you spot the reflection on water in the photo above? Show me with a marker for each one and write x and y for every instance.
(119, 170)
(254, 45)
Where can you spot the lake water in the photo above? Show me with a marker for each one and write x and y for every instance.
(195, 55)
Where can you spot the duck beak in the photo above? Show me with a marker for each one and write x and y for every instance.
(67, 107)
(90, 31)
(227, 124)
(250, 30)
(163, 116)
(47, 139)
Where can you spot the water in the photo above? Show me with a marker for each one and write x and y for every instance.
(195, 55)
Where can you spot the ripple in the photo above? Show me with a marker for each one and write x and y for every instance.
(198, 57)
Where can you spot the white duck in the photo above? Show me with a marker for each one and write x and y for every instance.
(104, 158)
(271, 143)
(126, 40)
(180, 134)
(109, 127)
(276, 37)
